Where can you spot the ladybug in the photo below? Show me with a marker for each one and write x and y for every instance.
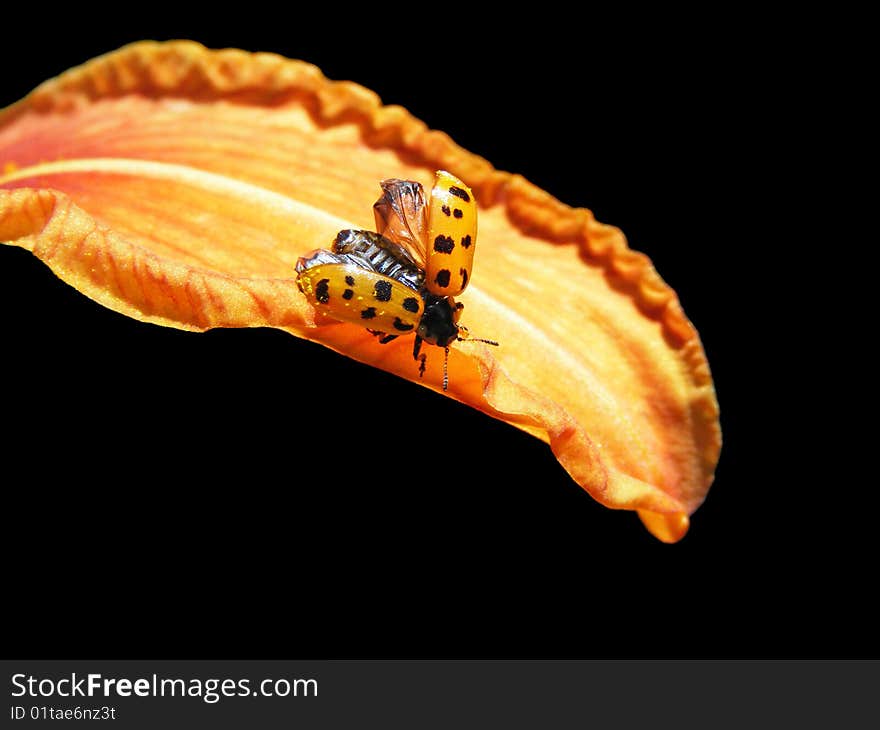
(402, 278)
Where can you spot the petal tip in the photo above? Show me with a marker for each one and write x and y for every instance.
(668, 528)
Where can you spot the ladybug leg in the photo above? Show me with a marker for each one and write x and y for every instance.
(445, 367)
(417, 347)
(383, 338)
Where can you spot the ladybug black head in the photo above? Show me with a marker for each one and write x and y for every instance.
(439, 321)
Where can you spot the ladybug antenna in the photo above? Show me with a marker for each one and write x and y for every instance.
(418, 345)
(468, 338)
(478, 339)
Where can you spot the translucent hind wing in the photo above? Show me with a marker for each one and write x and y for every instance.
(402, 217)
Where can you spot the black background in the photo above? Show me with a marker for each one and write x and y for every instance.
(188, 518)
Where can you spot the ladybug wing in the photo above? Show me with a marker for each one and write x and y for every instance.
(345, 290)
(402, 217)
(452, 236)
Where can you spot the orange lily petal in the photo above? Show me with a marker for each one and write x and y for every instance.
(179, 185)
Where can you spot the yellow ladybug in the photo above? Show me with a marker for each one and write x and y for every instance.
(402, 278)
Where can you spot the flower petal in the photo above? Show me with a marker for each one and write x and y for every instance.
(179, 186)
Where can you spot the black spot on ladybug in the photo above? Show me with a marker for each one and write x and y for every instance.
(459, 193)
(464, 278)
(322, 291)
(443, 244)
(457, 213)
(348, 293)
(402, 326)
(382, 291)
(349, 280)
(445, 209)
(466, 241)
(368, 313)
(411, 304)
(442, 278)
